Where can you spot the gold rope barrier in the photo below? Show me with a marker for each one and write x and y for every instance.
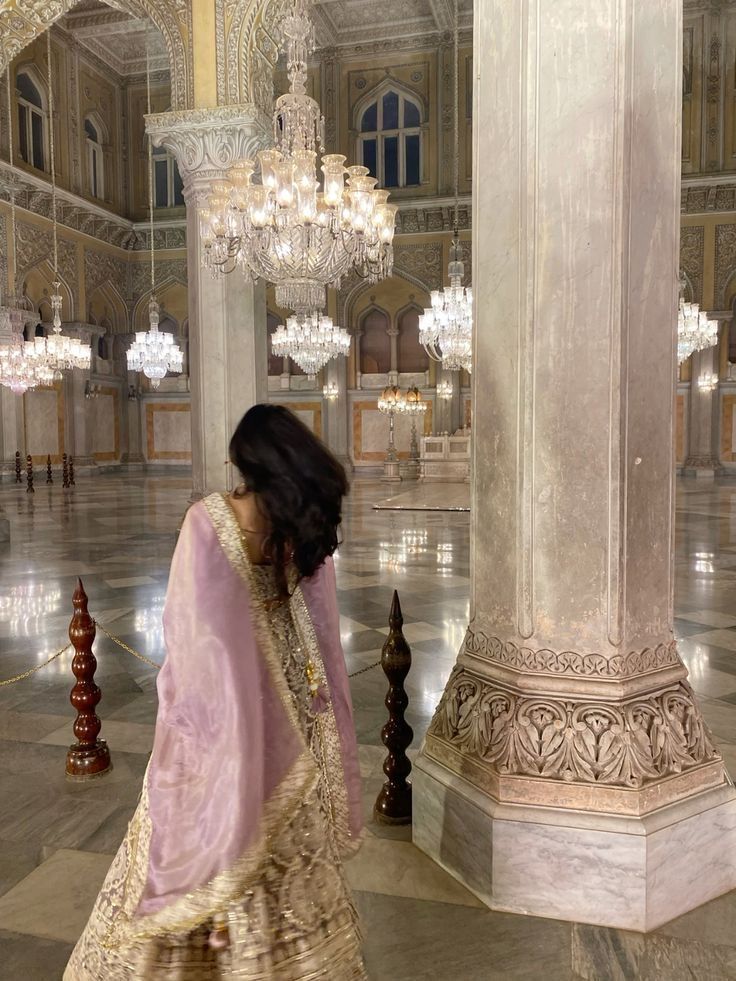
(130, 650)
(27, 674)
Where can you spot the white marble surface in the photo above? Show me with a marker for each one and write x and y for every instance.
(622, 875)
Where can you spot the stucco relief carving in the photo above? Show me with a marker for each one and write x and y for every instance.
(206, 142)
(33, 245)
(167, 270)
(725, 263)
(627, 744)
(101, 267)
(247, 50)
(36, 198)
(22, 22)
(431, 217)
(691, 258)
(625, 665)
(422, 262)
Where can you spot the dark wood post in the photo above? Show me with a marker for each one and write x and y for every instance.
(89, 756)
(29, 475)
(49, 471)
(72, 482)
(18, 477)
(393, 804)
(64, 471)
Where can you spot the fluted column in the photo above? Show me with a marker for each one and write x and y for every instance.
(567, 771)
(702, 429)
(227, 316)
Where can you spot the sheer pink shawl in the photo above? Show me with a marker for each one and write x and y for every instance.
(229, 764)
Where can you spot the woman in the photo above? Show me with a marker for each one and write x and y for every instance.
(232, 863)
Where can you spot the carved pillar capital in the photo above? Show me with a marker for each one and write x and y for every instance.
(207, 142)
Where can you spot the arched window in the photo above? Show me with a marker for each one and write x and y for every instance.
(391, 139)
(168, 190)
(31, 120)
(101, 348)
(95, 159)
(375, 344)
(412, 356)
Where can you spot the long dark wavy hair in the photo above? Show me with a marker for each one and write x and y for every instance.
(299, 486)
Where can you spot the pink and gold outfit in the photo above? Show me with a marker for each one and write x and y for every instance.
(232, 864)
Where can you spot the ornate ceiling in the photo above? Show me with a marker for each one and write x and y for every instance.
(120, 40)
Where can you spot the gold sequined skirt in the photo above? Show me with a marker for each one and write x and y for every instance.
(296, 923)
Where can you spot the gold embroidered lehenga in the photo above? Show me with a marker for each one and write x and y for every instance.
(283, 910)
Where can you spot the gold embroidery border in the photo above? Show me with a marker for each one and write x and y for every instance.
(300, 781)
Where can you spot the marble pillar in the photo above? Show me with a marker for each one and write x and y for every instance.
(227, 316)
(702, 458)
(567, 771)
(336, 431)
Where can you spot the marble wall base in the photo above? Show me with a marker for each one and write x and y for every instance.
(624, 872)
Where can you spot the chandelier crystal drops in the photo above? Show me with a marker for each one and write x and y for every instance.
(310, 340)
(52, 355)
(154, 352)
(695, 331)
(293, 230)
(446, 328)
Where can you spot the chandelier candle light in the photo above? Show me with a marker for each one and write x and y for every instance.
(331, 392)
(446, 328)
(153, 352)
(52, 355)
(414, 406)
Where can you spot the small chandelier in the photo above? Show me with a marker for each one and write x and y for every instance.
(391, 400)
(695, 331)
(445, 391)
(446, 328)
(412, 403)
(52, 355)
(153, 352)
(286, 230)
(310, 340)
(16, 370)
(331, 392)
(708, 382)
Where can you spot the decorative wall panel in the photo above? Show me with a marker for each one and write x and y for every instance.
(168, 431)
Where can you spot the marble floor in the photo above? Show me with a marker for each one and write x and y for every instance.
(117, 533)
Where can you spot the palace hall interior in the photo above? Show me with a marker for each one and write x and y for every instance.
(502, 293)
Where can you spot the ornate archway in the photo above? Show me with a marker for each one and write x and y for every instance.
(22, 23)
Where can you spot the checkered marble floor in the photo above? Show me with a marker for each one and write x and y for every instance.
(57, 838)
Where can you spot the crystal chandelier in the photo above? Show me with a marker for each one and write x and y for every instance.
(331, 392)
(286, 230)
(445, 391)
(695, 331)
(310, 340)
(446, 328)
(153, 352)
(50, 356)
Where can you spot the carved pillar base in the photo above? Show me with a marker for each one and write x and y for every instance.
(706, 467)
(624, 871)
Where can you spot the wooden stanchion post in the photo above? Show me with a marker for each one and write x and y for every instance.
(64, 471)
(72, 482)
(89, 756)
(18, 468)
(393, 804)
(29, 475)
(49, 471)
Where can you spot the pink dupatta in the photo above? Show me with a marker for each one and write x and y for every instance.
(230, 765)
